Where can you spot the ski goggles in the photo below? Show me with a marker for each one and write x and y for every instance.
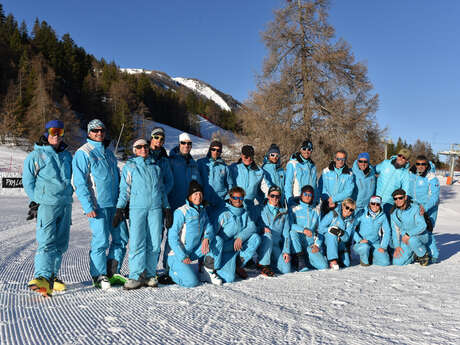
(307, 194)
(56, 131)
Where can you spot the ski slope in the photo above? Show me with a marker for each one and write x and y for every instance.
(358, 305)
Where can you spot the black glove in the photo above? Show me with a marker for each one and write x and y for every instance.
(336, 231)
(168, 217)
(126, 211)
(118, 217)
(33, 209)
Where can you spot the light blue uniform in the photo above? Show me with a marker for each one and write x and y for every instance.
(376, 230)
(184, 170)
(216, 178)
(46, 178)
(142, 186)
(274, 175)
(365, 184)
(191, 225)
(249, 178)
(276, 242)
(425, 191)
(96, 179)
(410, 222)
(162, 159)
(233, 223)
(304, 216)
(336, 183)
(337, 248)
(299, 173)
(390, 178)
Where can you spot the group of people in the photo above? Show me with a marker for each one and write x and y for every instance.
(225, 217)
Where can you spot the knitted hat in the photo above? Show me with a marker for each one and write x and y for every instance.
(216, 143)
(139, 142)
(194, 187)
(364, 155)
(405, 152)
(96, 123)
(376, 199)
(184, 137)
(274, 188)
(307, 144)
(273, 149)
(53, 124)
(158, 131)
(247, 150)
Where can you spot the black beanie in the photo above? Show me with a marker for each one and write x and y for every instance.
(247, 150)
(274, 149)
(194, 187)
(216, 143)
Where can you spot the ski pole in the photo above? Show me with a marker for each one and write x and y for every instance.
(119, 137)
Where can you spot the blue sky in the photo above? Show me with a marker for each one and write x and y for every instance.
(411, 47)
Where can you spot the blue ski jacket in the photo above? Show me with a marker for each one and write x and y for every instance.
(96, 176)
(47, 174)
(336, 183)
(365, 184)
(274, 175)
(300, 172)
(304, 216)
(335, 218)
(162, 159)
(408, 221)
(141, 185)
(277, 220)
(249, 178)
(216, 179)
(235, 223)
(375, 228)
(391, 178)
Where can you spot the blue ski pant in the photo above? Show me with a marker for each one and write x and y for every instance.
(364, 249)
(52, 234)
(271, 254)
(432, 246)
(300, 245)
(417, 245)
(184, 274)
(146, 227)
(225, 256)
(336, 250)
(102, 232)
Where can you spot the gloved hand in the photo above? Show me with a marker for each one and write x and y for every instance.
(168, 217)
(118, 217)
(33, 210)
(336, 231)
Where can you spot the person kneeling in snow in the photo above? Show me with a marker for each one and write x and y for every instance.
(410, 234)
(372, 234)
(274, 251)
(236, 238)
(306, 241)
(190, 238)
(337, 227)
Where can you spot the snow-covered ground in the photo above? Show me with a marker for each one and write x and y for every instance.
(208, 130)
(358, 305)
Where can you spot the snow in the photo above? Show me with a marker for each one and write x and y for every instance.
(357, 305)
(208, 130)
(203, 90)
(135, 70)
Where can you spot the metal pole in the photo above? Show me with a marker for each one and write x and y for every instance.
(119, 137)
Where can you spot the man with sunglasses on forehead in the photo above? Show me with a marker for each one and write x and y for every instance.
(410, 234)
(336, 182)
(216, 177)
(46, 178)
(392, 174)
(300, 171)
(96, 178)
(365, 181)
(424, 190)
(273, 172)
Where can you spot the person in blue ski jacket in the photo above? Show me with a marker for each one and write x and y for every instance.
(424, 190)
(372, 234)
(410, 235)
(337, 227)
(184, 169)
(160, 155)
(236, 238)
(46, 178)
(275, 248)
(336, 183)
(392, 174)
(96, 179)
(216, 177)
(306, 241)
(365, 181)
(141, 185)
(247, 175)
(300, 171)
(273, 172)
(190, 239)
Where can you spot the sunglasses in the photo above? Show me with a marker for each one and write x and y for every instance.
(97, 130)
(216, 150)
(363, 161)
(246, 157)
(307, 194)
(274, 155)
(421, 164)
(340, 159)
(348, 208)
(240, 198)
(56, 131)
(275, 196)
(398, 198)
(188, 143)
(374, 203)
(401, 156)
(306, 148)
(138, 147)
(158, 137)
